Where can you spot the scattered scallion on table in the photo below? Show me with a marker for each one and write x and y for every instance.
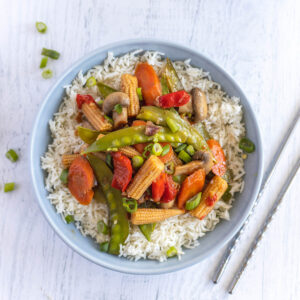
(43, 62)
(8, 187)
(69, 219)
(47, 74)
(41, 27)
(12, 155)
(50, 53)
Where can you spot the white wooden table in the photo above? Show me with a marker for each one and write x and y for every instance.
(256, 41)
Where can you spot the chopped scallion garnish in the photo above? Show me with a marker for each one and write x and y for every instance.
(8, 187)
(41, 27)
(137, 161)
(104, 246)
(47, 74)
(91, 81)
(50, 53)
(44, 61)
(139, 92)
(69, 219)
(12, 155)
(172, 251)
(102, 227)
(184, 156)
(118, 108)
(64, 176)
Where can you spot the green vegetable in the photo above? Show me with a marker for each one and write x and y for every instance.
(64, 176)
(109, 161)
(104, 247)
(47, 74)
(247, 145)
(227, 195)
(137, 161)
(130, 205)
(147, 230)
(170, 167)
(228, 175)
(165, 150)
(164, 86)
(91, 81)
(139, 92)
(41, 27)
(184, 156)
(100, 102)
(169, 74)
(172, 124)
(131, 136)
(147, 151)
(172, 251)
(156, 149)
(189, 133)
(104, 89)
(99, 195)
(193, 202)
(118, 222)
(43, 62)
(8, 187)
(89, 136)
(50, 53)
(179, 178)
(201, 128)
(109, 119)
(102, 227)
(180, 148)
(12, 155)
(69, 219)
(118, 108)
(190, 150)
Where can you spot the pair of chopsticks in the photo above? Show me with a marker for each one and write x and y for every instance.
(234, 242)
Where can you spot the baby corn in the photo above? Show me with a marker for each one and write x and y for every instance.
(95, 117)
(212, 193)
(129, 84)
(188, 168)
(150, 170)
(153, 215)
(129, 151)
(67, 159)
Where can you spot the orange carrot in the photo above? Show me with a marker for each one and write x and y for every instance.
(166, 158)
(149, 82)
(81, 180)
(191, 186)
(220, 167)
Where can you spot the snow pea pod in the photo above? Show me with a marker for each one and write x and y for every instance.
(170, 75)
(118, 222)
(147, 230)
(104, 89)
(159, 116)
(89, 136)
(131, 136)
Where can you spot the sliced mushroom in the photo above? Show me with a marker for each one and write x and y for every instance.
(109, 104)
(199, 104)
(167, 204)
(206, 158)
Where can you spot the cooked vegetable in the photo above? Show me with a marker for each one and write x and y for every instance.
(102, 227)
(150, 170)
(122, 171)
(172, 125)
(171, 190)
(41, 27)
(64, 176)
(190, 150)
(172, 251)
(193, 202)
(69, 219)
(184, 156)
(211, 194)
(220, 167)
(108, 119)
(118, 223)
(227, 195)
(170, 167)
(158, 116)
(8, 187)
(105, 90)
(201, 128)
(50, 53)
(109, 161)
(164, 86)
(167, 205)
(129, 151)
(12, 155)
(67, 159)
(191, 186)
(89, 136)
(180, 148)
(147, 230)
(104, 247)
(43, 62)
(130, 205)
(247, 145)
(137, 161)
(188, 168)
(81, 180)
(206, 158)
(158, 187)
(199, 104)
(166, 150)
(99, 195)
(91, 81)
(174, 99)
(118, 108)
(47, 74)
(169, 74)
(129, 85)
(179, 178)
(174, 159)
(186, 109)
(156, 149)
(139, 92)
(153, 215)
(148, 81)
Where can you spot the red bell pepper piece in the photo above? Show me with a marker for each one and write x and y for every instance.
(80, 99)
(175, 99)
(220, 167)
(158, 187)
(171, 190)
(122, 171)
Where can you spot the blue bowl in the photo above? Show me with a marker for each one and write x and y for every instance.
(85, 246)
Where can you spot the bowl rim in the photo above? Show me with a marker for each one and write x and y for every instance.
(119, 268)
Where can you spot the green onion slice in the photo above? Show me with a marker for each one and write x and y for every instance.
(41, 27)
(12, 155)
(130, 204)
(170, 167)
(172, 125)
(8, 187)
(69, 219)
(190, 150)
(156, 149)
(100, 102)
(180, 147)
(227, 195)
(193, 202)
(247, 145)
(147, 149)
(47, 74)
(102, 227)
(109, 119)
(109, 161)
(137, 161)
(165, 150)
(91, 81)
(104, 246)
(179, 178)
(139, 92)
(50, 53)
(172, 251)
(184, 156)
(43, 62)
(118, 108)
(64, 176)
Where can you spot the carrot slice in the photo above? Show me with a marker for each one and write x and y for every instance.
(149, 82)
(191, 186)
(158, 187)
(219, 168)
(81, 180)
(167, 157)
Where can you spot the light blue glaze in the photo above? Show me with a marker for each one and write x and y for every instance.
(212, 241)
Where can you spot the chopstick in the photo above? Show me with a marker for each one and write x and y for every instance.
(266, 179)
(264, 227)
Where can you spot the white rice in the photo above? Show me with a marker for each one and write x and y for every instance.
(224, 123)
